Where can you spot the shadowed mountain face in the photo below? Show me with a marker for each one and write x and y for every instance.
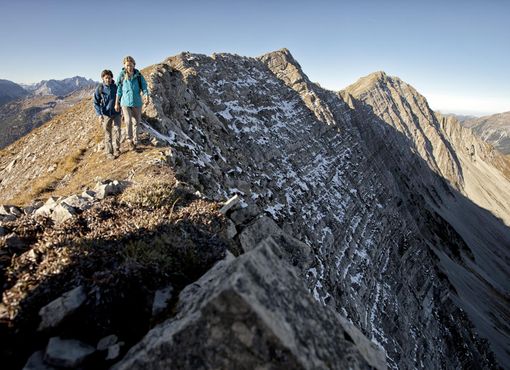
(397, 203)
(493, 129)
(10, 91)
(472, 169)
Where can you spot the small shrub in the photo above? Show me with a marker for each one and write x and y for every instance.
(151, 196)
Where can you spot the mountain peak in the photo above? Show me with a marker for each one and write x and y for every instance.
(279, 58)
(368, 82)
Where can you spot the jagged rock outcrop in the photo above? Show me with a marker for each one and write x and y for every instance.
(260, 129)
(252, 312)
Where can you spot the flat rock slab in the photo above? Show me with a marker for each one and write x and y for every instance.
(78, 202)
(67, 353)
(62, 213)
(36, 362)
(56, 311)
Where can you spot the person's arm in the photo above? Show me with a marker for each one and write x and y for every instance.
(117, 103)
(97, 104)
(119, 94)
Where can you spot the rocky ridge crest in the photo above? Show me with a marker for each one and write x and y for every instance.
(363, 191)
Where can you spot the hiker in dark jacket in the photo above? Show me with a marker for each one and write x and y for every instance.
(131, 85)
(109, 118)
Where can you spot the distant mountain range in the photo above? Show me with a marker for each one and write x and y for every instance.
(11, 91)
(59, 87)
(25, 107)
(19, 117)
(461, 118)
(494, 129)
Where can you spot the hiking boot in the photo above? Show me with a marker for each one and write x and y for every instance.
(131, 145)
(110, 156)
(116, 155)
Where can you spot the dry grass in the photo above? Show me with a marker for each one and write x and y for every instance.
(46, 184)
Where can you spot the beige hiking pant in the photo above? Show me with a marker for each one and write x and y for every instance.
(111, 128)
(132, 118)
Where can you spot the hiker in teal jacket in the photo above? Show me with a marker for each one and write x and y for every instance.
(131, 84)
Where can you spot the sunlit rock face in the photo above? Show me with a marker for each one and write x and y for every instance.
(370, 178)
(494, 129)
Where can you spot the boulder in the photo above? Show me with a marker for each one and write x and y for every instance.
(9, 211)
(298, 253)
(62, 213)
(36, 362)
(106, 188)
(4, 210)
(88, 194)
(54, 312)
(7, 218)
(251, 312)
(231, 229)
(78, 202)
(113, 352)
(243, 215)
(161, 299)
(106, 342)
(67, 353)
(15, 243)
(47, 208)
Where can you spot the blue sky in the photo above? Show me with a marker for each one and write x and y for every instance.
(455, 53)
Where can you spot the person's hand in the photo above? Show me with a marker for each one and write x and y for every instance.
(117, 107)
(145, 99)
(100, 120)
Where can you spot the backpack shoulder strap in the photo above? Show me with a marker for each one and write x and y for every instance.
(121, 78)
(139, 77)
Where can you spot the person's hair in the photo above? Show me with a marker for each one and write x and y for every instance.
(128, 59)
(106, 72)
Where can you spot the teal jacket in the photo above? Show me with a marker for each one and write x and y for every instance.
(128, 90)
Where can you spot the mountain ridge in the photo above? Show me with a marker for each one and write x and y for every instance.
(494, 129)
(336, 170)
(10, 91)
(60, 87)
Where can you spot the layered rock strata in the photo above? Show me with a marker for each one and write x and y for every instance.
(316, 164)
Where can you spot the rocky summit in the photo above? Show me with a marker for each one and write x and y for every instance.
(264, 222)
